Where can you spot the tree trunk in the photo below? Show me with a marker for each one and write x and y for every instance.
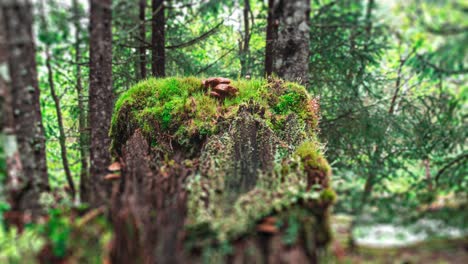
(217, 198)
(271, 37)
(62, 136)
(17, 21)
(100, 98)
(291, 48)
(427, 168)
(244, 50)
(82, 120)
(157, 39)
(13, 168)
(142, 40)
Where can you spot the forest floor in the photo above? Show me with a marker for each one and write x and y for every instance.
(437, 251)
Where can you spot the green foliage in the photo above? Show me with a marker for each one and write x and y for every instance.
(57, 230)
(19, 248)
(355, 63)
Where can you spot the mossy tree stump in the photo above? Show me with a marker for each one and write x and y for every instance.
(240, 179)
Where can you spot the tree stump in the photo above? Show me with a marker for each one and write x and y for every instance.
(204, 179)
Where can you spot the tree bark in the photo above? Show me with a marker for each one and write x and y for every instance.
(244, 50)
(291, 48)
(100, 99)
(271, 37)
(17, 21)
(142, 48)
(158, 39)
(82, 120)
(13, 168)
(427, 168)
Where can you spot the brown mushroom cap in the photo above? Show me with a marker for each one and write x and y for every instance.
(214, 81)
(267, 228)
(112, 176)
(114, 167)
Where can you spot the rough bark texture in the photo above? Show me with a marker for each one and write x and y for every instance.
(291, 48)
(82, 120)
(158, 52)
(100, 99)
(222, 197)
(271, 37)
(142, 48)
(17, 21)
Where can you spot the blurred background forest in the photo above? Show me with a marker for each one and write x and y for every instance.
(390, 76)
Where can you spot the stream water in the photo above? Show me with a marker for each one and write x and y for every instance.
(393, 235)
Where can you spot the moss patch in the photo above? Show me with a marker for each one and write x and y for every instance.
(182, 109)
(253, 155)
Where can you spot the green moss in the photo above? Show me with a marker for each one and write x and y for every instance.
(182, 109)
(311, 156)
(328, 196)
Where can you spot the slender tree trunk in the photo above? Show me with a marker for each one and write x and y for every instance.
(100, 98)
(82, 120)
(427, 168)
(245, 46)
(158, 39)
(291, 48)
(58, 110)
(62, 136)
(17, 21)
(271, 37)
(142, 48)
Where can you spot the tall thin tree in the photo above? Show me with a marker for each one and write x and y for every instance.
(142, 40)
(58, 110)
(271, 36)
(100, 98)
(244, 43)
(82, 120)
(158, 53)
(291, 47)
(25, 106)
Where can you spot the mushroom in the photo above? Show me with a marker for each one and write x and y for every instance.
(112, 176)
(114, 167)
